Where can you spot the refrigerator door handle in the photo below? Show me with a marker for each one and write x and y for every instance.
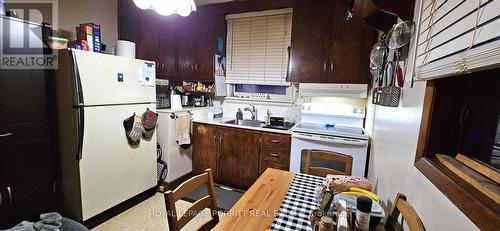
(78, 94)
(80, 126)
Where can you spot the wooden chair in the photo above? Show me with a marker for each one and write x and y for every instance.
(185, 188)
(329, 156)
(409, 214)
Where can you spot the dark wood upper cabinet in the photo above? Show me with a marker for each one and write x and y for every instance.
(168, 48)
(327, 49)
(182, 47)
(148, 43)
(188, 47)
(311, 31)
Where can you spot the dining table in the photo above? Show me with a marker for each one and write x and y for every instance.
(278, 200)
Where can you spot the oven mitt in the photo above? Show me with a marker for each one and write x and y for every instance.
(149, 119)
(133, 129)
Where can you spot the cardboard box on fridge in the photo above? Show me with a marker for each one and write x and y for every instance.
(92, 33)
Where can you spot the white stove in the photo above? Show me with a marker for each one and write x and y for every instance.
(330, 127)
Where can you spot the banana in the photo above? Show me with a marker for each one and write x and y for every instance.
(361, 192)
(371, 195)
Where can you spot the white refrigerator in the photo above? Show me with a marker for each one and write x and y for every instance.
(95, 94)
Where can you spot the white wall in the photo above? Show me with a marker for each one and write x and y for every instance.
(102, 12)
(391, 168)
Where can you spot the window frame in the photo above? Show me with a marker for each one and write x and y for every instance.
(480, 209)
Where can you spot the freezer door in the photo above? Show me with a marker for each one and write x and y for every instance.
(108, 79)
(112, 171)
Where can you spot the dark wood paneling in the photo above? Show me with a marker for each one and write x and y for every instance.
(205, 142)
(238, 163)
(311, 31)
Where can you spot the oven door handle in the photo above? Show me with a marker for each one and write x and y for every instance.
(331, 139)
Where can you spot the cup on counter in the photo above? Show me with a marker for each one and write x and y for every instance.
(211, 115)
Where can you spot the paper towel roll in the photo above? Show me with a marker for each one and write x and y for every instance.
(125, 49)
(175, 102)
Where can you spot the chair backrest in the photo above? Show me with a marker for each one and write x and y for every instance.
(328, 156)
(182, 190)
(409, 214)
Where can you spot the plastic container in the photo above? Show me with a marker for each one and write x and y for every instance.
(57, 43)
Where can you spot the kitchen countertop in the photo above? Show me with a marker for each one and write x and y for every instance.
(220, 122)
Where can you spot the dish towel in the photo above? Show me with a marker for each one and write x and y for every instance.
(183, 128)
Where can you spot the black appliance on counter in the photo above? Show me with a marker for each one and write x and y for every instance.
(162, 97)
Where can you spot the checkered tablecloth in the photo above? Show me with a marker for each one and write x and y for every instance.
(298, 204)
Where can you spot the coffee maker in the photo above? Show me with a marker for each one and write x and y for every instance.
(162, 97)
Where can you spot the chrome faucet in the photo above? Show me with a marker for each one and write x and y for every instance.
(252, 110)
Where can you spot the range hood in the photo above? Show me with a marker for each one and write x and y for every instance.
(333, 90)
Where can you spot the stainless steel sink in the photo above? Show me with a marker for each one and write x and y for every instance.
(247, 123)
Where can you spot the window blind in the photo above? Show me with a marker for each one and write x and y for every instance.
(457, 37)
(257, 46)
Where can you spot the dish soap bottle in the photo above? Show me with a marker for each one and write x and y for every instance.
(239, 114)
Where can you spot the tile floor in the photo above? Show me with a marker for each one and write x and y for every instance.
(150, 215)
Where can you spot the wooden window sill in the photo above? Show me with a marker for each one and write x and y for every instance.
(480, 209)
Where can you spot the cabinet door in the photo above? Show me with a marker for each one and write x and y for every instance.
(128, 18)
(239, 152)
(23, 97)
(350, 49)
(205, 143)
(311, 30)
(26, 181)
(149, 37)
(206, 43)
(167, 49)
(187, 57)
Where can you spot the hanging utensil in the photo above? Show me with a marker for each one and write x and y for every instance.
(400, 34)
(379, 52)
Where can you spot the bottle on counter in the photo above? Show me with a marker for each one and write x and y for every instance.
(239, 114)
(364, 208)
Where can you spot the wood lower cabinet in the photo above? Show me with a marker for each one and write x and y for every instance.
(275, 151)
(205, 148)
(238, 156)
(238, 163)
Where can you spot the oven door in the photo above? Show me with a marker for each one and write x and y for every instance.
(301, 142)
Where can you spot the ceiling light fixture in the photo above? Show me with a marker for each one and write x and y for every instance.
(168, 7)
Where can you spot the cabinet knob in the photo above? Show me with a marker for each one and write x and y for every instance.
(275, 154)
(275, 141)
(215, 139)
(331, 66)
(324, 66)
(6, 134)
(10, 194)
(220, 139)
